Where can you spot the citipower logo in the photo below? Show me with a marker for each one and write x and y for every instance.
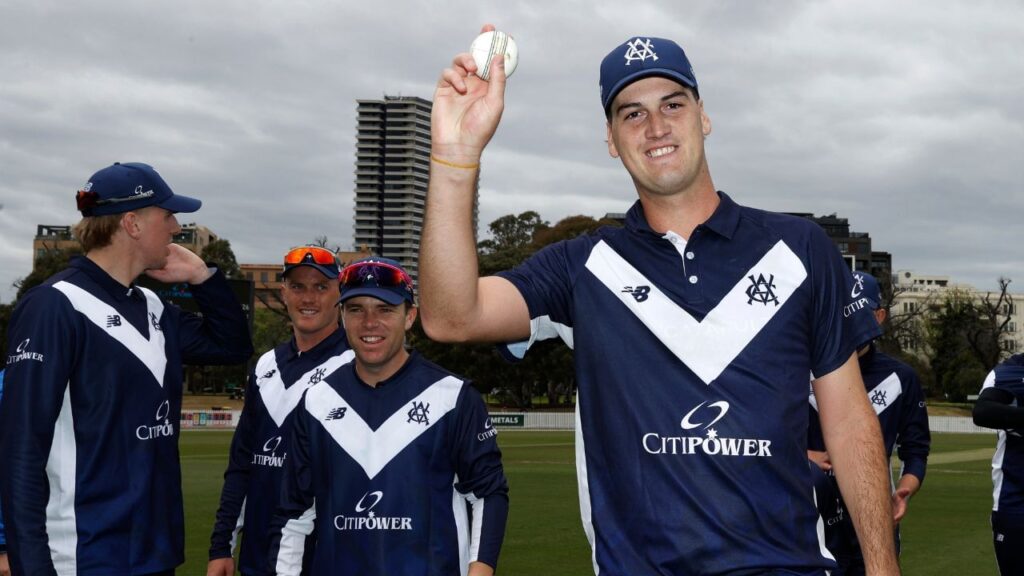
(269, 456)
(159, 430)
(371, 521)
(701, 418)
(22, 353)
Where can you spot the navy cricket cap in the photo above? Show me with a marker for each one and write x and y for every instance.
(380, 278)
(129, 186)
(868, 287)
(640, 57)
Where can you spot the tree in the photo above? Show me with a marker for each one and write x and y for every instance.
(219, 252)
(51, 261)
(512, 231)
(966, 334)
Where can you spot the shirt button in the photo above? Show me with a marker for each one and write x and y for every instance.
(693, 279)
(689, 255)
(674, 240)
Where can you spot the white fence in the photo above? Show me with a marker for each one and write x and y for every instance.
(221, 419)
(960, 424)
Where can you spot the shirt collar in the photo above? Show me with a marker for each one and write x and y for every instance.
(330, 343)
(115, 289)
(723, 221)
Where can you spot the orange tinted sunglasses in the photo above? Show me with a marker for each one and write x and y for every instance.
(303, 254)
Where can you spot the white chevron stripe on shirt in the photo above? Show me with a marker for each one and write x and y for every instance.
(280, 401)
(374, 449)
(707, 346)
(149, 351)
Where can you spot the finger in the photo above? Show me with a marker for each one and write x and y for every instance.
(487, 28)
(496, 84)
(464, 61)
(454, 79)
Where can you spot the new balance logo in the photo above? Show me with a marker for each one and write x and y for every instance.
(640, 50)
(114, 320)
(337, 413)
(269, 374)
(418, 413)
(154, 322)
(761, 290)
(639, 293)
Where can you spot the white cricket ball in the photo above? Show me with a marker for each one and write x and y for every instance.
(487, 46)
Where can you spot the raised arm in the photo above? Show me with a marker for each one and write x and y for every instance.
(854, 442)
(456, 305)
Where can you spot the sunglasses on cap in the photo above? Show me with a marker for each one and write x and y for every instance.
(381, 274)
(312, 256)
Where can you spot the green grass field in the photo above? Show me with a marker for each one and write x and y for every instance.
(945, 532)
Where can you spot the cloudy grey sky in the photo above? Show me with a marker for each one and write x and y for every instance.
(905, 117)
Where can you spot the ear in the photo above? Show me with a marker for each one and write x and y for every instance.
(612, 150)
(410, 316)
(705, 122)
(880, 315)
(131, 224)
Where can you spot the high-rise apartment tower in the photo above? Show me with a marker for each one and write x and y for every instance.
(392, 173)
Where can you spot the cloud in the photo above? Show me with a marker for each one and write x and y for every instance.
(905, 118)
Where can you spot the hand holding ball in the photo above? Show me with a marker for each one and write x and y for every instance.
(487, 46)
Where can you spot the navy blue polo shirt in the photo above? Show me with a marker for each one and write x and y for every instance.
(89, 424)
(261, 445)
(692, 365)
(1008, 461)
(895, 394)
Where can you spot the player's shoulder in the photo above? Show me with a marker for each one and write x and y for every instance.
(1010, 370)
(47, 297)
(429, 370)
(888, 363)
(788, 226)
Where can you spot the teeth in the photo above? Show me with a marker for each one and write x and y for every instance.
(372, 339)
(661, 151)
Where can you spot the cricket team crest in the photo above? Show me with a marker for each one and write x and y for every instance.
(640, 50)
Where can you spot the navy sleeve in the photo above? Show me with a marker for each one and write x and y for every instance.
(915, 438)
(815, 437)
(995, 406)
(481, 478)
(41, 354)
(546, 282)
(295, 513)
(842, 321)
(994, 409)
(221, 334)
(236, 478)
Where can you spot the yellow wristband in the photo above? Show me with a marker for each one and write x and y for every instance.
(453, 164)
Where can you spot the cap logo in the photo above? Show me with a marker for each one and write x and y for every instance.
(87, 187)
(640, 50)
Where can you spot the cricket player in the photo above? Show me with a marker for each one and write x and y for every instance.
(89, 423)
(694, 329)
(261, 444)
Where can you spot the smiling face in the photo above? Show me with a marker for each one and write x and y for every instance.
(657, 129)
(311, 299)
(376, 333)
